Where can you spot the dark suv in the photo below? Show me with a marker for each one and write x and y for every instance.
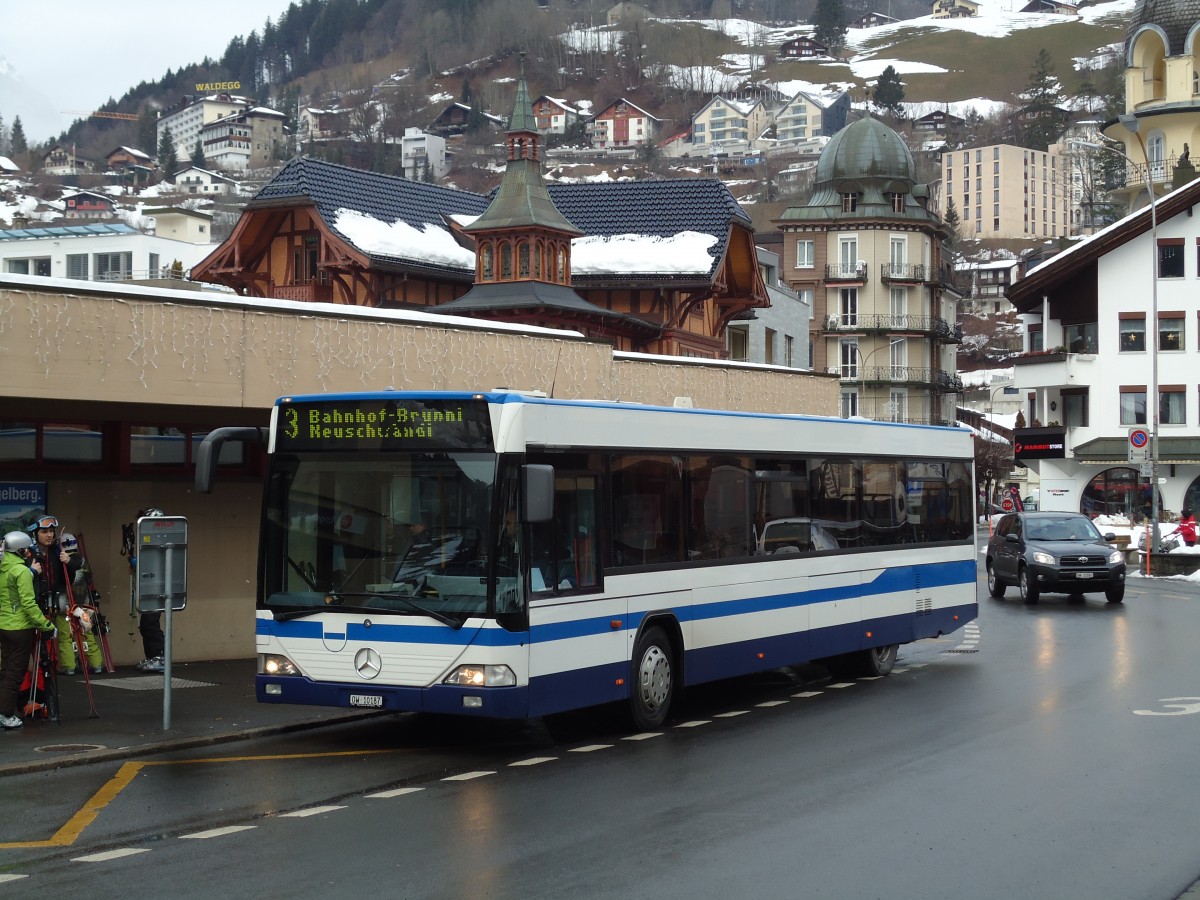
(1053, 552)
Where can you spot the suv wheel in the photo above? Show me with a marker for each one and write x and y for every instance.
(996, 584)
(1029, 588)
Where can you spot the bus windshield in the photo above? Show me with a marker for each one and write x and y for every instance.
(403, 533)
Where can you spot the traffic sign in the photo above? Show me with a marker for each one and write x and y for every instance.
(1139, 445)
(1007, 504)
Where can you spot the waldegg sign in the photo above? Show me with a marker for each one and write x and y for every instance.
(213, 86)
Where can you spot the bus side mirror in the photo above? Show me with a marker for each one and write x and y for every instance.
(537, 493)
(209, 451)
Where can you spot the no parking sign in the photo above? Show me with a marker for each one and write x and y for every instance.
(1139, 445)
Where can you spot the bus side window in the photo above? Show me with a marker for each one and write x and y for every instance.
(564, 550)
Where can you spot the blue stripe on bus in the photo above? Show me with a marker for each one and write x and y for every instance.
(895, 580)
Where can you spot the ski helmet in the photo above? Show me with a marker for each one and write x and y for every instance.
(68, 542)
(17, 542)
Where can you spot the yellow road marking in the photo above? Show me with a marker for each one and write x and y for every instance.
(74, 827)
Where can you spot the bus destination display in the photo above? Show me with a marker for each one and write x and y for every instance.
(380, 424)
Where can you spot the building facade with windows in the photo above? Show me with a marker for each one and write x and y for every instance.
(1162, 94)
(728, 125)
(806, 116)
(101, 251)
(777, 335)
(187, 120)
(623, 125)
(869, 248)
(1094, 350)
(1004, 191)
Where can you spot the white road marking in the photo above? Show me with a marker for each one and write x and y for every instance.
(312, 811)
(870, 678)
(645, 735)
(694, 724)
(804, 695)
(467, 776)
(216, 832)
(111, 854)
(4, 879)
(590, 748)
(730, 715)
(394, 792)
(841, 684)
(768, 703)
(899, 670)
(534, 761)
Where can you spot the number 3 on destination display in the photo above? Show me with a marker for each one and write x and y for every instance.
(1178, 706)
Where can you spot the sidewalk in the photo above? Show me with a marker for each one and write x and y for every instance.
(211, 703)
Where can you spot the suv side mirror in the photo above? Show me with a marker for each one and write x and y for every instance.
(1012, 538)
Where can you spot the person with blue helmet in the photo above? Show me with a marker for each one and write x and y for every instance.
(20, 620)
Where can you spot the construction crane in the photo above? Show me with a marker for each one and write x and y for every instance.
(128, 117)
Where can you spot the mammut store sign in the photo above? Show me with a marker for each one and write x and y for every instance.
(1040, 443)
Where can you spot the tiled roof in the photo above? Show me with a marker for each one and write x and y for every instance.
(1174, 17)
(331, 187)
(662, 208)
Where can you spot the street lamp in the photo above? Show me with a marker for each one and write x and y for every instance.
(1130, 121)
(1131, 124)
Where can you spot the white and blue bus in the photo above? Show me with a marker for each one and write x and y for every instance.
(505, 554)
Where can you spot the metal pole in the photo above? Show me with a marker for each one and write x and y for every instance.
(168, 551)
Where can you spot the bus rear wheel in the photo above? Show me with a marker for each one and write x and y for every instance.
(878, 660)
(653, 680)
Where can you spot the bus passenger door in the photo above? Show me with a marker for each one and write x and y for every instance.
(577, 650)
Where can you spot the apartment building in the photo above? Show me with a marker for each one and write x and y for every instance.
(1004, 191)
(868, 246)
(1104, 328)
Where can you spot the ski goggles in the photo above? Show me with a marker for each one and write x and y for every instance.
(45, 523)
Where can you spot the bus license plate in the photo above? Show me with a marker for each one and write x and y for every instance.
(366, 700)
(1083, 574)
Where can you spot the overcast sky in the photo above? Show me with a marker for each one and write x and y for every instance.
(78, 53)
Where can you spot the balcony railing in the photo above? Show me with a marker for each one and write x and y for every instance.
(936, 379)
(940, 328)
(308, 293)
(846, 272)
(908, 272)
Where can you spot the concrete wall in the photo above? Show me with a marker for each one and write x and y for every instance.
(76, 351)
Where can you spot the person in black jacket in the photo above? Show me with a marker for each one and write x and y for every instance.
(54, 569)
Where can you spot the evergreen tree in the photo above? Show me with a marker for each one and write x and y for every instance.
(3, 138)
(16, 140)
(147, 128)
(1042, 116)
(951, 218)
(167, 160)
(889, 92)
(198, 156)
(830, 23)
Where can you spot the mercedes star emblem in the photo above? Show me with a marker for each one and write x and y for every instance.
(367, 663)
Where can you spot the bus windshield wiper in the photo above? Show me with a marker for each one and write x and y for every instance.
(288, 615)
(451, 621)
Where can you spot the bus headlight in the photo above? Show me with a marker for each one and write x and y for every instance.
(482, 676)
(273, 664)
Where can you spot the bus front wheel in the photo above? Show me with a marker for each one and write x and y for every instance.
(653, 680)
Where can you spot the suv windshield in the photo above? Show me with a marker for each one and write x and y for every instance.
(1065, 528)
(404, 533)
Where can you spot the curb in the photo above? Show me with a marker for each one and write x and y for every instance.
(163, 746)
